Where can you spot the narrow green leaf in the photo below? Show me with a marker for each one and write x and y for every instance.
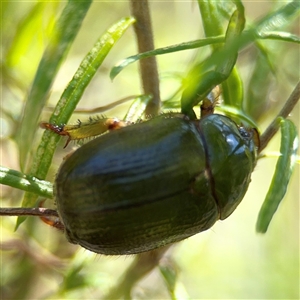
(200, 82)
(257, 93)
(232, 89)
(238, 115)
(212, 23)
(279, 18)
(62, 37)
(26, 183)
(275, 20)
(280, 180)
(137, 108)
(71, 97)
(263, 29)
(72, 94)
(211, 19)
(74, 279)
(280, 36)
(165, 50)
(26, 34)
(235, 27)
(170, 275)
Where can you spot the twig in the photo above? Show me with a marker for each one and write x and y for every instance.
(285, 111)
(148, 66)
(25, 211)
(141, 266)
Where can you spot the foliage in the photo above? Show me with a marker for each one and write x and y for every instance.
(37, 259)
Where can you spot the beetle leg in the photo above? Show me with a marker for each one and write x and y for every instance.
(54, 128)
(82, 130)
(52, 221)
(210, 101)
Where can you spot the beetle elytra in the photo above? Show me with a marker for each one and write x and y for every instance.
(153, 183)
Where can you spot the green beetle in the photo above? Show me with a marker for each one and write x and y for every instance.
(153, 183)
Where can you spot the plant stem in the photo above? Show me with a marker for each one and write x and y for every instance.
(25, 211)
(141, 266)
(148, 67)
(285, 111)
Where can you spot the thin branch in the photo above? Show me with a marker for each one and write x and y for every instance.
(25, 211)
(141, 266)
(285, 111)
(99, 109)
(149, 73)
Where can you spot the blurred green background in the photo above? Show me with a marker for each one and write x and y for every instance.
(229, 261)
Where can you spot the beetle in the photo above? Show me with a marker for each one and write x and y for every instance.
(153, 183)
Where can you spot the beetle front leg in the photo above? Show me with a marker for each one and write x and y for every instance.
(95, 126)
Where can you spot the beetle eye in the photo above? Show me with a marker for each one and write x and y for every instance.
(250, 134)
(245, 133)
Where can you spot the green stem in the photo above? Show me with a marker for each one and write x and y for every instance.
(26, 183)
